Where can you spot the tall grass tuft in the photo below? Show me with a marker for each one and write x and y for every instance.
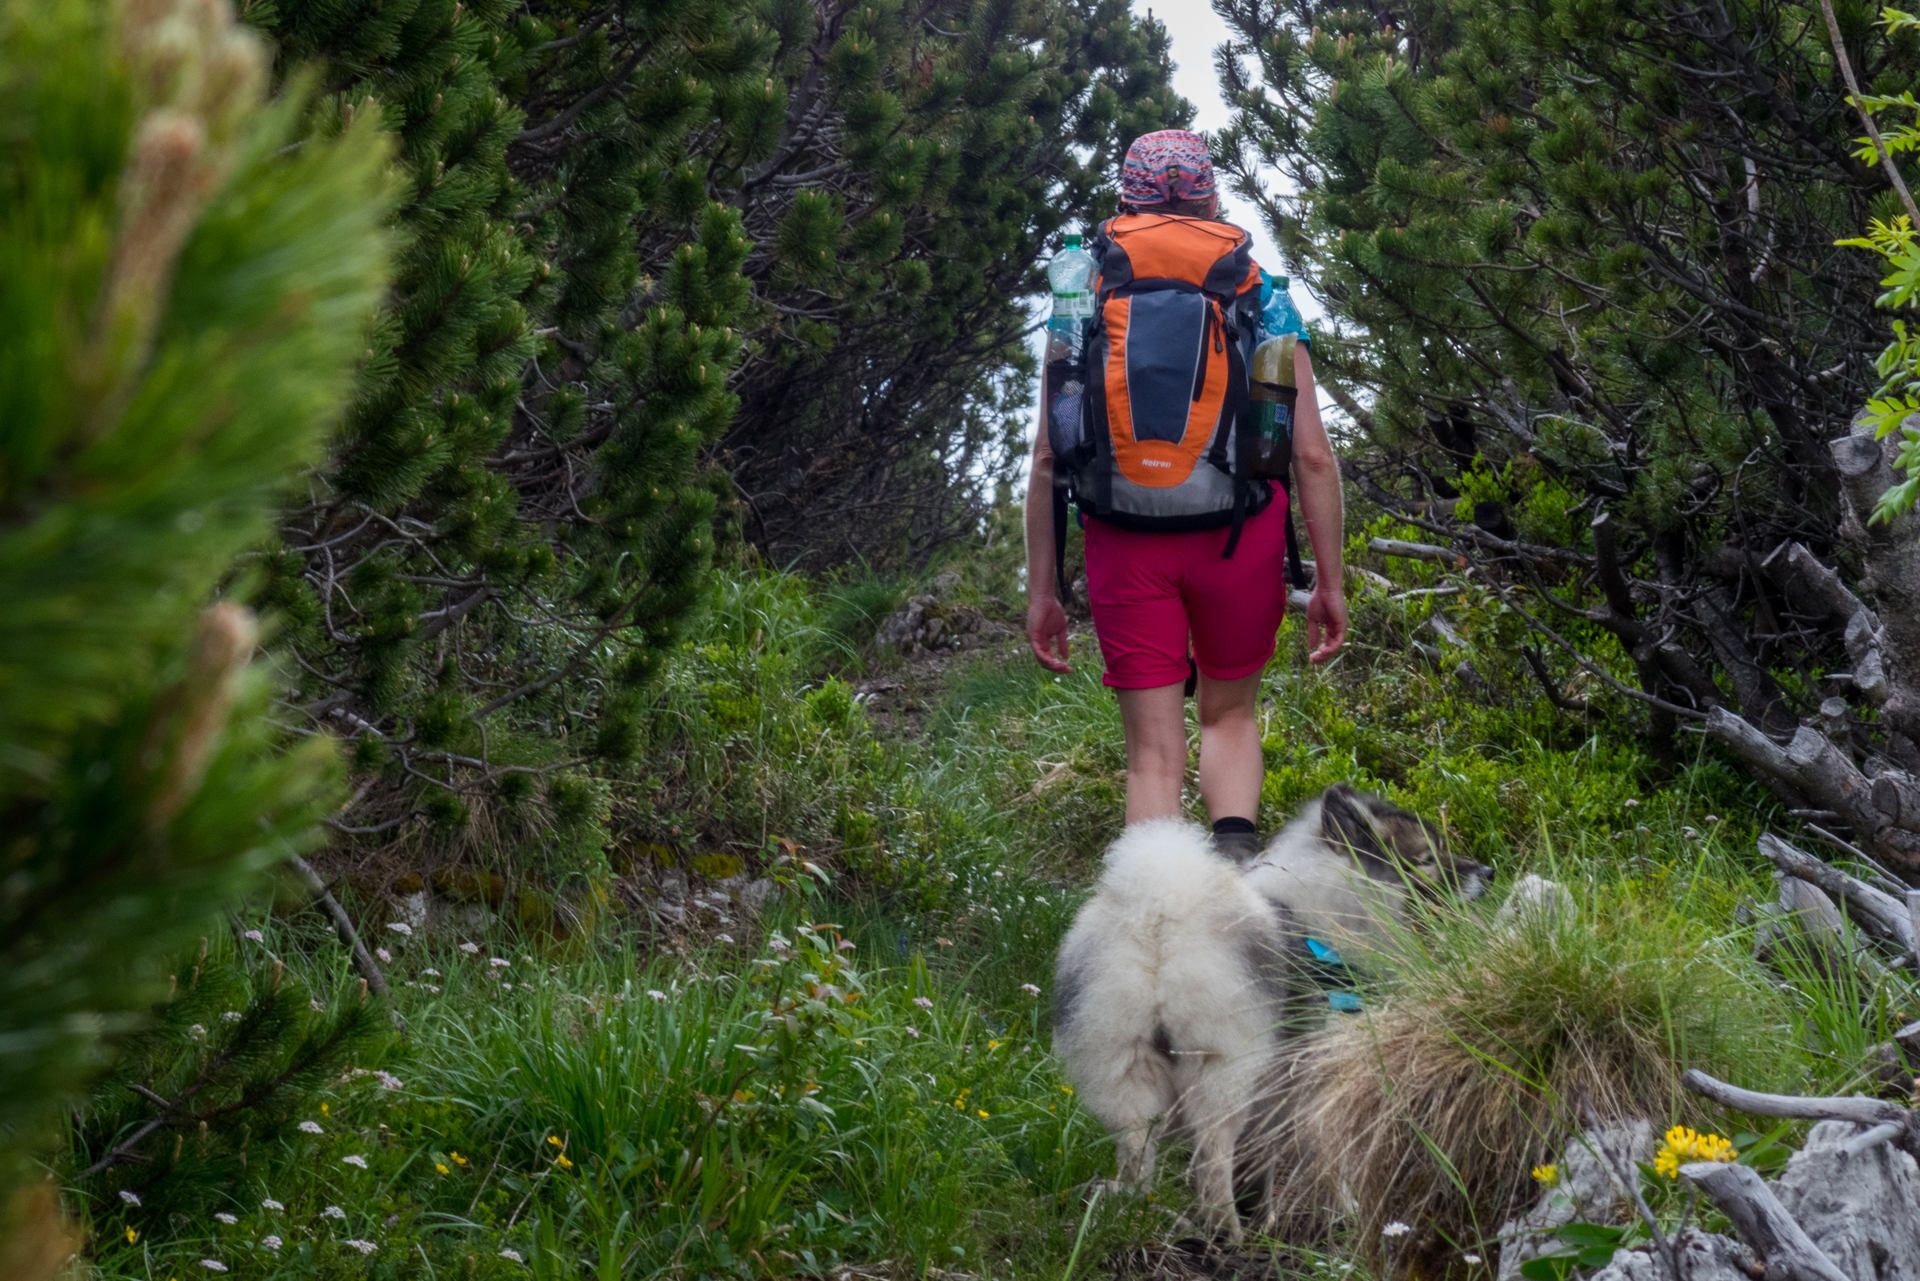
(1490, 1046)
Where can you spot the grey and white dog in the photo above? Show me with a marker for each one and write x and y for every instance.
(1181, 975)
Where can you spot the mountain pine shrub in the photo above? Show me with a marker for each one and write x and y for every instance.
(185, 279)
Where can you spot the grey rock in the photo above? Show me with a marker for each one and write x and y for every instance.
(1863, 1211)
(1536, 896)
(672, 884)
(1588, 1191)
(1703, 1256)
(754, 896)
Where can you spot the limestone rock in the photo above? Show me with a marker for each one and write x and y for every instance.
(1862, 1211)
(1588, 1191)
(1703, 1256)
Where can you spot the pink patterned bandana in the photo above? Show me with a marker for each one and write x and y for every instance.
(1171, 164)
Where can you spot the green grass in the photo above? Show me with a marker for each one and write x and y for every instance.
(780, 1110)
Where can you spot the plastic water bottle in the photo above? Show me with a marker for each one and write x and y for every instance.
(1274, 396)
(1071, 276)
(1277, 315)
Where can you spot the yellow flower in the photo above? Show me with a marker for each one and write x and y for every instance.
(1684, 1145)
(1548, 1175)
(132, 1236)
(440, 1166)
(456, 1158)
(555, 1140)
(993, 1045)
(323, 1109)
(983, 1114)
(564, 1163)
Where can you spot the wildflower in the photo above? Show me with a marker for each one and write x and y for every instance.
(471, 949)
(442, 1167)
(431, 973)
(316, 1006)
(1631, 802)
(993, 1045)
(197, 1031)
(333, 1212)
(943, 942)
(656, 994)
(778, 944)
(358, 1162)
(231, 1016)
(1066, 1089)
(1683, 1145)
(386, 957)
(983, 1114)
(923, 1002)
(1471, 1258)
(512, 1254)
(456, 1158)
(724, 938)
(254, 936)
(129, 1197)
(497, 962)
(1396, 1229)
(1030, 989)
(1548, 1176)
(1713, 818)
(311, 1127)
(132, 1236)
(388, 1081)
(213, 1265)
(364, 1247)
(400, 927)
(271, 1242)
(561, 1160)
(844, 945)
(271, 1204)
(555, 1140)
(227, 1219)
(911, 1031)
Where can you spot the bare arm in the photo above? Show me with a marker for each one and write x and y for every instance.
(1046, 620)
(1322, 507)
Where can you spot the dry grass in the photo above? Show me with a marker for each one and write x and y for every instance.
(1487, 1049)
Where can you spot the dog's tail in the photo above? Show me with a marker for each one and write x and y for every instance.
(1162, 863)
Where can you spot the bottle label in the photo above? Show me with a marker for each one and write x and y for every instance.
(1079, 305)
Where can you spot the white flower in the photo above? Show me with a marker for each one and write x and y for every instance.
(1713, 818)
(254, 936)
(912, 1031)
(724, 938)
(271, 1204)
(498, 961)
(1396, 1229)
(364, 1247)
(1030, 989)
(1631, 802)
(311, 1127)
(512, 1254)
(470, 949)
(388, 1081)
(506, 987)
(129, 1197)
(432, 973)
(358, 1162)
(213, 1265)
(231, 1016)
(400, 927)
(923, 1002)
(844, 945)
(316, 1006)
(386, 957)
(778, 944)
(656, 994)
(1472, 1258)
(271, 1242)
(227, 1219)
(197, 1031)
(333, 1212)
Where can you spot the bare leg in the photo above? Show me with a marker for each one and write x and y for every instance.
(1155, 723)
(1231, 768)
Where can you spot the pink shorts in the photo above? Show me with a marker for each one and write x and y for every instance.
(1150, 592)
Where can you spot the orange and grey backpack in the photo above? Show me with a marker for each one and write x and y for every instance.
(1161, 437)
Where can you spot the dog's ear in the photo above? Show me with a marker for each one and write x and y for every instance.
(1345, 822)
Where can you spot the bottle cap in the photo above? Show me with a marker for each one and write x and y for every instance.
(1280, 283)
(1073, 240)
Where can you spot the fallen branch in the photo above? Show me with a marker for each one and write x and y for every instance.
(1879, 913)
(1417, 551)
(342, 925)
(1761, 1221)
(1858, 1109)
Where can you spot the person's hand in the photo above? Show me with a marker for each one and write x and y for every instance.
(1047, 626)
(1326, 623)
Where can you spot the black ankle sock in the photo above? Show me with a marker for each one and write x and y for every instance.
(1224, 826)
